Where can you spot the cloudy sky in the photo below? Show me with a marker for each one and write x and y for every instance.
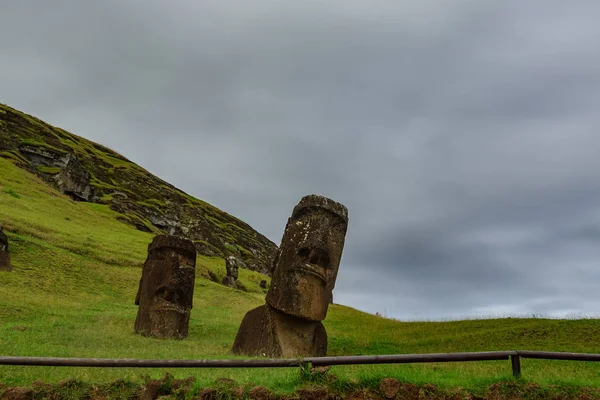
(463, 136)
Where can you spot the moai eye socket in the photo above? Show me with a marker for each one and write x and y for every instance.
(304, 252)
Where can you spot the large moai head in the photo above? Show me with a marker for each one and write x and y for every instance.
(306, 265)
(4, 259)
(166, 288)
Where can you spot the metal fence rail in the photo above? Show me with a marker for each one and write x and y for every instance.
(513, 355)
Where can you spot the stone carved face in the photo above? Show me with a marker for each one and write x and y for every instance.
(166, 288)
(307, 263)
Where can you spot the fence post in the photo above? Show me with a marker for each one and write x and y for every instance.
(515, 360)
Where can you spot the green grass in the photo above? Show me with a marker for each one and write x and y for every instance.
(76, 273)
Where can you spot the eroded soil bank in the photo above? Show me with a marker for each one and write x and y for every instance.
(330, 389)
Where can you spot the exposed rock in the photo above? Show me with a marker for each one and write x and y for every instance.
(389, 387)
(304, 274)
(73, 179)
(4, 258)
(166, 288)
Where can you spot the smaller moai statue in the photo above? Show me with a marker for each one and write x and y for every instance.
(166, 288)
(232, 265)
(304, 274)
(4, 259)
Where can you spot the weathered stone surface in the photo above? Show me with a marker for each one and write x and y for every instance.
(306, 265)
(229, 281)
(304, 274)
(4, 258)
(67, 172)
(73, 179)
(232, 265)
(267, 332)
(166, 288)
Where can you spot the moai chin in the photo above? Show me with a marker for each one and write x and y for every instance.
(166, 288)
(304, 274)
(4, 258)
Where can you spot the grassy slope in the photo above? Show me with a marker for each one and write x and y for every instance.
(76, 271)
(134, 192)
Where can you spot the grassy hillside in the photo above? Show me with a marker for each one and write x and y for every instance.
(90, 172)
(72, 290)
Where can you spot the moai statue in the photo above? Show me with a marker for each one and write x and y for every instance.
(304, 274)
(232, 265)
(166, 288)
(4, 259)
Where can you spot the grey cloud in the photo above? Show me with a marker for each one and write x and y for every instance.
(462, 136)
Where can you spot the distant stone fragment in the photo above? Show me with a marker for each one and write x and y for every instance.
(232, 265)
(4, 259)
(166, 288)
(304, 274)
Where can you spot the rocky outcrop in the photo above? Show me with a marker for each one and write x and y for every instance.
(74, 180)
(87, 171)
(63, 169)
(4, 259)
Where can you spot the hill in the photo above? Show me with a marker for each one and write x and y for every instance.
(89, 172)
(76, 269)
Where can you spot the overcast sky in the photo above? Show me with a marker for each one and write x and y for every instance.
(463, 136)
